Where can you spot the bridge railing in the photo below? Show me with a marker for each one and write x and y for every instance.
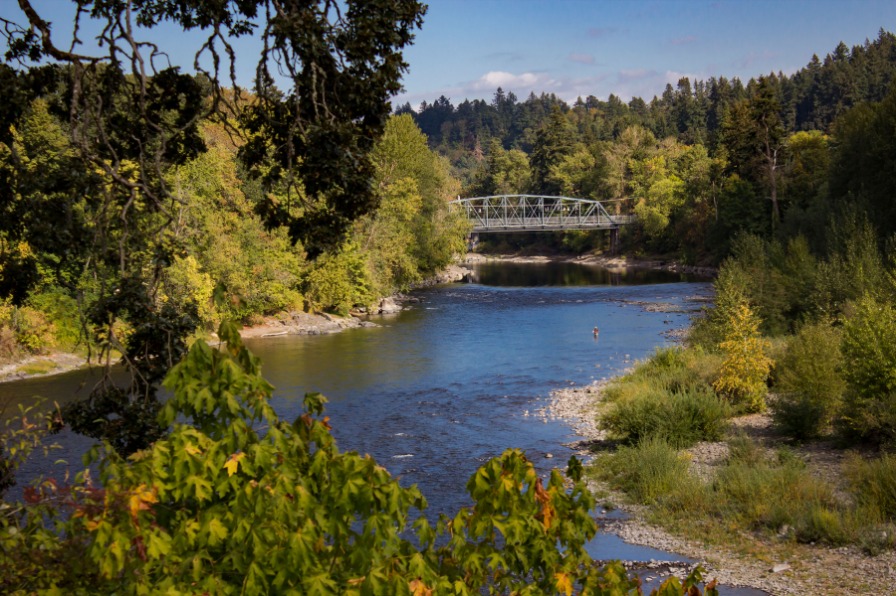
(506, 213)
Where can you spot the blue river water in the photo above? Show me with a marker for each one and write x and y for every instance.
(438, 389)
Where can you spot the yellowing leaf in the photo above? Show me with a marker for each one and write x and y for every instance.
(192, 450)
(547, 509)
(418, 588)
(563, 583)
(140, 499)
(233, 462)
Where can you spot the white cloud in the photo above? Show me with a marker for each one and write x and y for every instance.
(625, 84)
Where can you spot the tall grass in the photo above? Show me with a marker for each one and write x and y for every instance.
(646, 471)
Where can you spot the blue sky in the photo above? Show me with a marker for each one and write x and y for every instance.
(573, 48)
(468, 48)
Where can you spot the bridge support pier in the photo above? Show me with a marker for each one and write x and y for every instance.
(614, 241)
(472, 241)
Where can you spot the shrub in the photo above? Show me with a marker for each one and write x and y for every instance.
(767, 493)
(681, 418)
(62, 312)
(825, 525)
(810, 382)
(745, 369)
(869, 358)
(873, 483)
(647, 471)
(28, 330)
(340, 281)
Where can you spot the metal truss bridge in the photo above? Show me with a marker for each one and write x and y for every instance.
(535, 213)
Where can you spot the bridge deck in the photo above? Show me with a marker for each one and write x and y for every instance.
(534, 213)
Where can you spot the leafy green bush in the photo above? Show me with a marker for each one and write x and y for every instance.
(825, 525)
(681, 419)
(869, 354)
(648, 471)
(340, 281)
(62, 312)
(810, 382)
(29, 330)
(669, 369)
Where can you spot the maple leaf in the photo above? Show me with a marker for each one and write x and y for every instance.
(233, 462)
(563, 583)
(418, 588)
(141, 499)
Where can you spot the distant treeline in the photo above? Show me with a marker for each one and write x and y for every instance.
(778, 156)
(692, 112)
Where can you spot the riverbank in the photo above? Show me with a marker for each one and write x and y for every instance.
(285, 323)
(775, 566)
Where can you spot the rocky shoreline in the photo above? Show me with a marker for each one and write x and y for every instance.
(776, 567)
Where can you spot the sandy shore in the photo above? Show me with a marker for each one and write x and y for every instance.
(801, 568)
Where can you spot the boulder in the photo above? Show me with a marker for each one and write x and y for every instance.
(388, 306)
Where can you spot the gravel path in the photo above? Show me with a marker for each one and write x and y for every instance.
(777, 567)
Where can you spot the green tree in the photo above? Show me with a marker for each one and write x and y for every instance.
(130, 123)
(504, 172)
(745, 369)
(869, 353)
(554, 141)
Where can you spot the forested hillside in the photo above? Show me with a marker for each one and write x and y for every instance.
(777, 155)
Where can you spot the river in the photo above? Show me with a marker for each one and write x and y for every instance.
(441, 387)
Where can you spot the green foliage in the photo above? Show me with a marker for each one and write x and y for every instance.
(412, 234)
(742, 377)
(258, 271)
(810, 382)
(340, 281)
(680, 418)
(854, 266)
(648, 471)
(869, 354)
(713, 326)
(503, 172)
(26, 330)
(62, 314)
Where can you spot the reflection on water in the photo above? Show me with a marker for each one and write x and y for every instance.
(566, 274)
